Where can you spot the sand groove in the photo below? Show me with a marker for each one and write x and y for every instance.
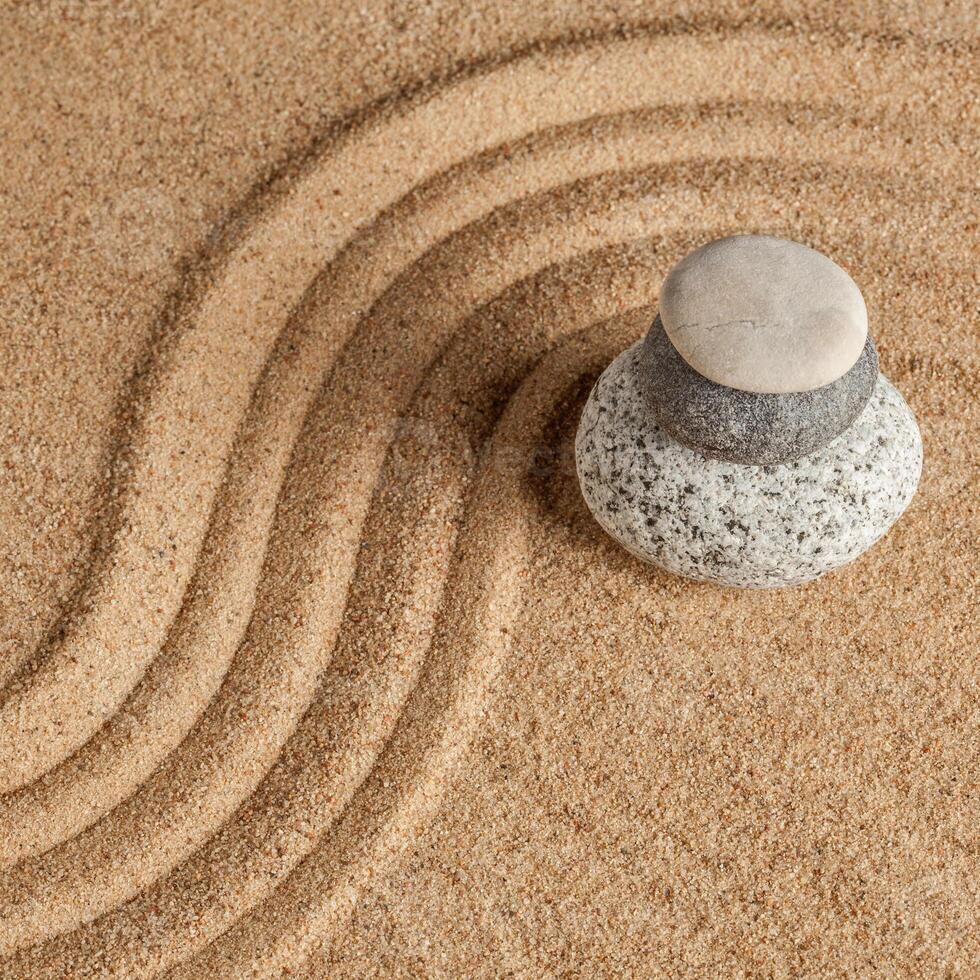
(339, 578)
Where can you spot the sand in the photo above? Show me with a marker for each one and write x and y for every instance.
(312, 661)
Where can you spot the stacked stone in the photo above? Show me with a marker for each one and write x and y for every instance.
(749, 439)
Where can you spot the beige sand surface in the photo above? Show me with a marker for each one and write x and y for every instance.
(312, 662)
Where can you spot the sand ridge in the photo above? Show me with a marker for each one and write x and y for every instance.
(321, 543)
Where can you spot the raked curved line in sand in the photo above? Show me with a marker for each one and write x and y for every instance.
(463, 663)
(457, 672)
(271, 875)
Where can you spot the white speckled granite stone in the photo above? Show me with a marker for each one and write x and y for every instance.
(736, 524)
(764, 314)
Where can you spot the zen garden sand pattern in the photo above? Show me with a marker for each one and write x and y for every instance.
(314, 661)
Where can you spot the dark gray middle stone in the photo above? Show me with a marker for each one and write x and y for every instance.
(747, 426)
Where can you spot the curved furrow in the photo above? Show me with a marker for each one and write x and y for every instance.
(179, 452)
(445, 709)
(504, 457)
(360, 698)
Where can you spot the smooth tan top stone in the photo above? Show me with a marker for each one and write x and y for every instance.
(764, 314)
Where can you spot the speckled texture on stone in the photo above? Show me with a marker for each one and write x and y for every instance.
(765, 314)
(749, 526)
(749, 426)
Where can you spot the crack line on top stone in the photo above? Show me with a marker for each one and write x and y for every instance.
(715, 326)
